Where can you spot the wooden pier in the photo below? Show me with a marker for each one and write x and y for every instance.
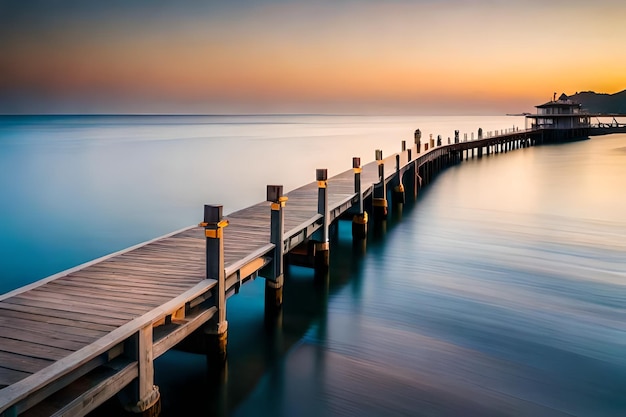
(71, 341)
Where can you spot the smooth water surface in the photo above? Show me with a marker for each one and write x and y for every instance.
(500, 292)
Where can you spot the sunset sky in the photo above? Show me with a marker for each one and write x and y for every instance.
(281, 56)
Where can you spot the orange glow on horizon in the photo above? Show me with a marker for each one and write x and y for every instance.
(270, 54)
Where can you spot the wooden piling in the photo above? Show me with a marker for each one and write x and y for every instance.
(141, 395)
(274, 283)
(359, 221)
(418, 138)
(322, 246)
(398, 196)
(379, 194)
(217, 328)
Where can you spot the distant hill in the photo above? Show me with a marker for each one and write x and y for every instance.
(601, 102)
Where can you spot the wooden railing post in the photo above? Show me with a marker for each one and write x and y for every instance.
(418, 138)
(379, 194)
(359, 221)
(274, 283)
(398, 196)
(322, 247)
(214, 232)
(141, 395)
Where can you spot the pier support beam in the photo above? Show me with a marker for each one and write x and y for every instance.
(141, 395)
(274, 283)
(379, 197)
(411, 175)
(322, 247)
(217, 328)
(398, 196)
(359, 221)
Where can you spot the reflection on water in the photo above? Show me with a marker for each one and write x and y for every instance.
(503, 292)
(500, 292)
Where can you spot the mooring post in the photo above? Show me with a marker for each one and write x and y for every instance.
(217, 328)
(418, 138)
(379, 202)
(359, 221)
(398, 196)
(274, 283)
(412, 174)
(322, 248)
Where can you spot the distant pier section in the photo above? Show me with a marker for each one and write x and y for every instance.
(71, 341)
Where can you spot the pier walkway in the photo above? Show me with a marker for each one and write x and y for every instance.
(71, 341)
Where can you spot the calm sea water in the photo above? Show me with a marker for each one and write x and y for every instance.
(500, 292)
